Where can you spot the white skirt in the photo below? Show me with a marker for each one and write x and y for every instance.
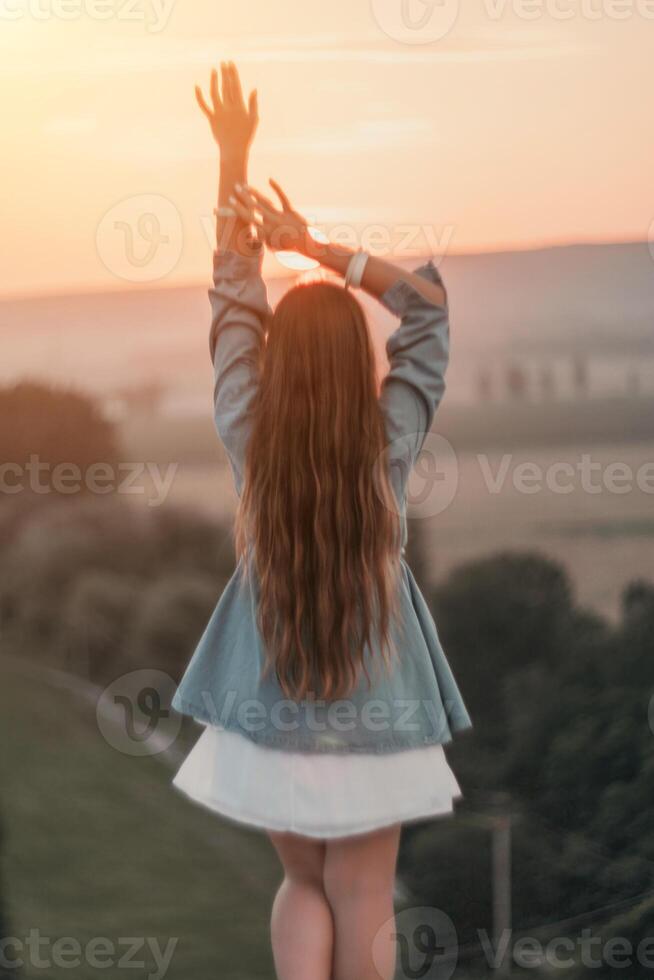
(318, 795)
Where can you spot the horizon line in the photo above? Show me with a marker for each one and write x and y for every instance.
(102, 289)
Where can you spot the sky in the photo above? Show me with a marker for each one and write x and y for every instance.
(427, 125)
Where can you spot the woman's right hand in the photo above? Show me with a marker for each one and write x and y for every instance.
(233, 124)
(282, 228)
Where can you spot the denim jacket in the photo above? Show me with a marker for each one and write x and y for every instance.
(416, 702)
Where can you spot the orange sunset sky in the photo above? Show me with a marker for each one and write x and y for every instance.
(524, 123)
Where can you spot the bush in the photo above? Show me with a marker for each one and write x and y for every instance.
(170, 620)
(564, 701)
(56, 547)
(625, 947)
(497, 616)
(446, 865)
(56, 425)
(95, 624)
(77, 579)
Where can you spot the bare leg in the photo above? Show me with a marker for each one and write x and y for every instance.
(302, 928)
(359, 878)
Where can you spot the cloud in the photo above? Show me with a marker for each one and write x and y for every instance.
(363, 135)
(359, 136)
(122, 55)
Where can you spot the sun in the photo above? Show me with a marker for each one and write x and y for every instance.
(298, 262)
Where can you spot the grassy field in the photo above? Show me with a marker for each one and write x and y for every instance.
(97, 844)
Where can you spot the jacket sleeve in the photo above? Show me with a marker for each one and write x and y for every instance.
(239, 312)
(418, 354)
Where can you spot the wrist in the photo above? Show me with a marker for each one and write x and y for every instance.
(329, 254)
(307, 245)
(234, 157)
(233, 170)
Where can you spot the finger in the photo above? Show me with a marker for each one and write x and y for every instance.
(215, 94)
(242, 195)
(226, 84)
(245, 196)
(202, 103)
(286, 204)
(258, 202)
(253, 107)
(263, 202)
(237, 91)
(245, 213)
(247, 216)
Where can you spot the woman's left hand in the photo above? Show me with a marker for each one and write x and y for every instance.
(233, 124)
(280, 227)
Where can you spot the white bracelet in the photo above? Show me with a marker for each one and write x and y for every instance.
(355, 269)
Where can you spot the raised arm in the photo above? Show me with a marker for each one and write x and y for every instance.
(418, 351)
(239, 306)
(283, 228)
(233, 126)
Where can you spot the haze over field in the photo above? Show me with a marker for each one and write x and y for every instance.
(597, 301)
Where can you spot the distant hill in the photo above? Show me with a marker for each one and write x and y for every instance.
(556, 299)
(553, 302)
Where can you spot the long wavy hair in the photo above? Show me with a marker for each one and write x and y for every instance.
(318, 518)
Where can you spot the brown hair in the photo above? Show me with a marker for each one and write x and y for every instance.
(318, 515)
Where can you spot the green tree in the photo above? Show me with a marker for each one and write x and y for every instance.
(497, 616)
(566, 731)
